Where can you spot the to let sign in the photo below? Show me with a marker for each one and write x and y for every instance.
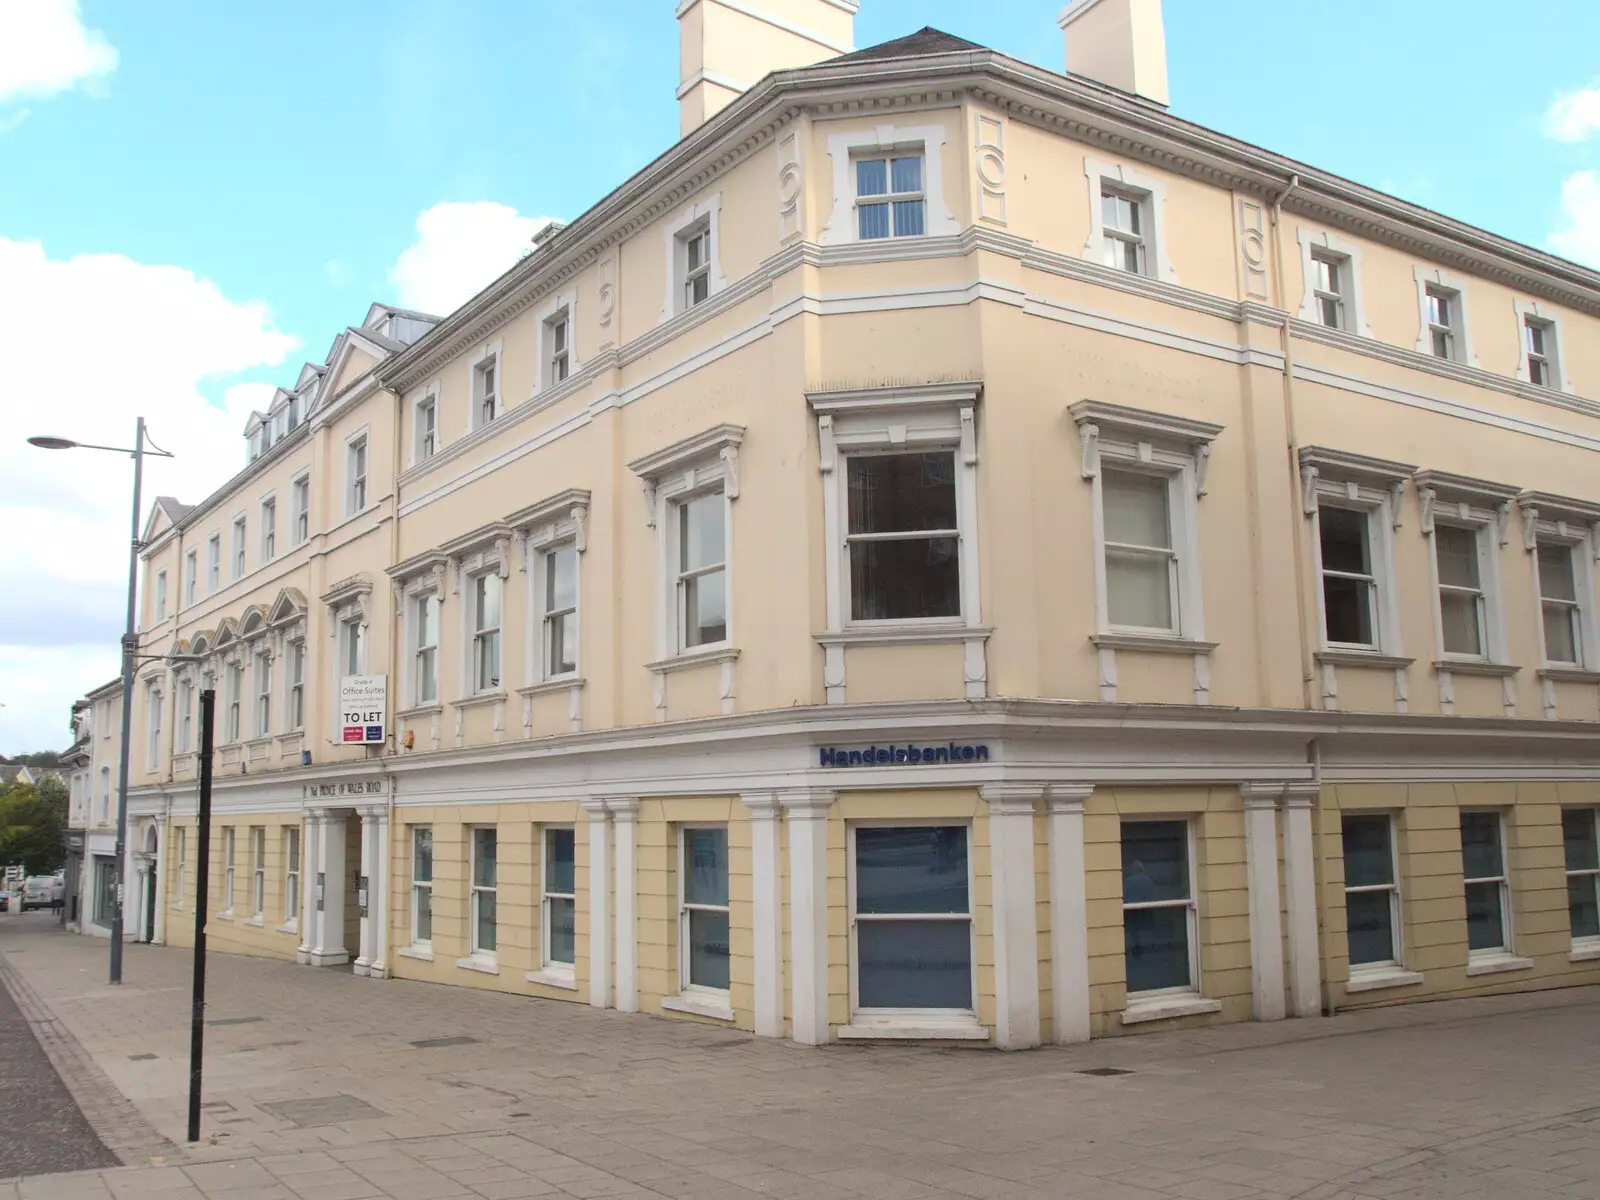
(363, 705)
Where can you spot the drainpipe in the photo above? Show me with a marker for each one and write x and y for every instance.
(1308, 672)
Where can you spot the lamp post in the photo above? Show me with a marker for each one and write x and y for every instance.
(130, 648)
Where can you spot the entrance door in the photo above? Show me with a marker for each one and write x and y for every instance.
(150, 905)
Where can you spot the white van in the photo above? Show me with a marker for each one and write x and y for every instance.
(38, 891)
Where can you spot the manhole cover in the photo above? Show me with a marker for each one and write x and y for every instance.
(1103, 1072)
(323, 1110)
(140, 1057)
(435, 1043)
(236, 1021)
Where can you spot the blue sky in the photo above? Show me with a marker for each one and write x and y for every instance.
(276, 158)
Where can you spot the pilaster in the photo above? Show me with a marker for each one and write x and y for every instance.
(807, 811)
(599, 903)
(329, 949)
(624, 815)
(1069, 913)
(1266, 922)
(767, 911)
(1300, 871)
(311, 898)
(1014, 899)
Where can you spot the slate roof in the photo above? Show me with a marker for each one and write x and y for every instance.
(924, 41)
(175, 511)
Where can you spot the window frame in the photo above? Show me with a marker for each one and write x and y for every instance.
(425, 425)
(478, 633)
(702, 216)
(486, 364)
(421, 888)
(1396, 904)
(261, 674)
(546, 527)
(269, 527)
(959, 481)
(357, 470)
(547, 616)
(191, 584)
(1580, 617)
(184, 721)
(1531, 313)
(233, 700)
(180, 865)
(291, 876)
(295, 679)
(1551, 519)
(237, 563)
(229, 838)
(258, 871)
(1191, 904)
(476, 890)
(423, 606)
(546, 895)
(300, 493)
(161, 595)
(883, 141)
(1318, 244)
(683, 576)
(860, 1014)
(1587, 943)
(1482, 508)
(1441, 284)
(1508, 937)
(686, 987)
(1150, 192)
(1115, 241)
(889, 198)
(214, 563)
(153, 705)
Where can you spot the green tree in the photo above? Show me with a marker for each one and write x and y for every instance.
(33, 824)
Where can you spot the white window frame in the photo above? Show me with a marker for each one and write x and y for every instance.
(422, 887)
(184, 719)
(475, 890)
(547, 616)
(425, 412)
(488, 358)
(357, 472)
(682, 577)
(233, 717)
(1151, 193)
(477, 631)
(562, 308)
(241, 533)
(191, 584)
(1396, 907)
(1175, 449)
(698, 466)
(686, 989)
(269, 527)
(888, 198)
(1588, 944)
(422, 606)
(932, 1017)
(161, 595)
(881, 141)
(153, 705)
(258, 871)
(553, 523)
(485, 550)
(291, 876)
(1192, 905)
(691, 219)
(261, 671)
(1559, 520)
(300, 491)
(180, 865)
(1443, 282)
(551, 966)
(214, 563)
(294, 667)
(1485, 509)
(1532, 312)
(228, 839)
(1315, 243)
(1508, 935)
(352, 630)
(1375, 487)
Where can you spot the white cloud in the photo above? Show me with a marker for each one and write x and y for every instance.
(1578, 237)
(1574, 116)
(90, 343)
(44, 49)
(460, 249)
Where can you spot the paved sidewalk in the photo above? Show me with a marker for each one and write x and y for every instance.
(316, 1087)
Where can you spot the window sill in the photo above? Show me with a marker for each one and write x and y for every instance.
(918, 633)
(1363, 658)
(1165, 1008)
(1584, 952)
(561, 977)
(1495, 964)
(1154, 642)
(481, 698)
(485, 963)
(1475, 666)
(420, 951)
(1560, 674)
(420, 710)
(288, 927)
(1382, 977)
(560, 683)
(223, 916)
(954, 1026)
(255, 922)
(700, 1004)
(694, 658)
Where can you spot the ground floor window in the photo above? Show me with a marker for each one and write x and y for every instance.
(484, 890)
(560, 898)
(105, 890)
(421, 884)
(1371, 899)
(1159, 925)
(1583, 872)
(703, 909)
(1483, 870)
(912, 917)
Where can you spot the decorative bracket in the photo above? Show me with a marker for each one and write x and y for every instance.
(1502, 521)
(1308, 490)
(1397, 495)
(730, 459)
(1202, 460)
(969, 437)
(580, 527)
(830, 449)
(1428, 497)
(1090, 434)
(650, 503)
(1530, 522)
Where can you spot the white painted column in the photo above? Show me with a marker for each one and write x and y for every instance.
(1069, 913)
(624, 815)
(766, 872)
(329, 948)
(369, 826)
(310, 864)
(1300, 871)
(379, 906)
(159, 934)
(1266, 923)
(808, 912)
(1014, 897)
(599, 904)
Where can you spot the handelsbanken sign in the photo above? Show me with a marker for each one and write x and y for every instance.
(901, 756)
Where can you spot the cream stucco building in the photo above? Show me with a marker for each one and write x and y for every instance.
(949, 550)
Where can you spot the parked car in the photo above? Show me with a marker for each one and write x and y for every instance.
(5, 901)
(37, 892)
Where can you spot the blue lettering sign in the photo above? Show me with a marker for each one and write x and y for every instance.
(906, 755)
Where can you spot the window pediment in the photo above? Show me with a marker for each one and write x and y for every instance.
(701, 461)
(555, 518)
(486, 548)
(1139, 435)
(1339, 474)
(1557, 516)
(1478, 501)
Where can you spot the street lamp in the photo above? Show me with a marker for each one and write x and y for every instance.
(130, 649)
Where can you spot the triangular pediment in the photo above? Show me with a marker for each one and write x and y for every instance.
(291, 603)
